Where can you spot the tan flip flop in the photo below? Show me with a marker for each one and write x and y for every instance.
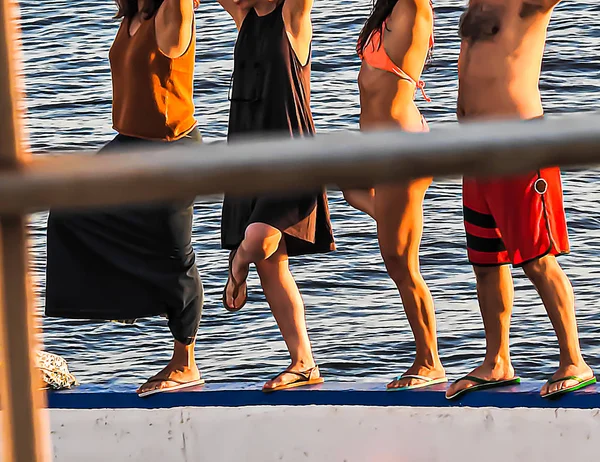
(179, 386)
(236, 286)
(303, 378)
(426, 382)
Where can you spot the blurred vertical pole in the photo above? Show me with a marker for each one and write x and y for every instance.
(24, 428)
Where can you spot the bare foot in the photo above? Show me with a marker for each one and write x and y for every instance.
(431, 372)
(240, 274)
(582, 371)
(171, 376)
(288, 377)
(485, 372)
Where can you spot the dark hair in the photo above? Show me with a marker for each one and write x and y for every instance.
(382, 9)
(129, 8)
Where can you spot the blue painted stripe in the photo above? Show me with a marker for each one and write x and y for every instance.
(328, 394)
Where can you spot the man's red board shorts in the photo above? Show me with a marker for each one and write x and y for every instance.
(514, 219)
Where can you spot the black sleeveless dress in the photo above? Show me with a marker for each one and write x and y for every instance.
(271, 94)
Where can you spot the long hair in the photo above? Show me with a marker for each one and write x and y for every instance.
(382, 9)
(129, 8)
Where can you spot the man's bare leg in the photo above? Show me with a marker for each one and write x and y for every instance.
(495, 293)
(557, 295)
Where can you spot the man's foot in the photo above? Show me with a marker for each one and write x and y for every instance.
(294, 377)
(562, 378)
(235, 294)
(434, 374)
(495, 373)
(171, 377)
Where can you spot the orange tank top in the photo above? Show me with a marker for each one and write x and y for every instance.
(152, 93)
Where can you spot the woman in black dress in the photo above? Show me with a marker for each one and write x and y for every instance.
(135, 262)
(271, 94)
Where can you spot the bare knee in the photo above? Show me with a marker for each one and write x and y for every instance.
(484, 272)
(261, 240)
(487, 275)
(400, 268)
(541, 269)
(361, 199)
(349, 196)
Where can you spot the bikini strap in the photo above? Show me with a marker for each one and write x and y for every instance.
(421, 86)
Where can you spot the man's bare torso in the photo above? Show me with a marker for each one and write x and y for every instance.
(501, 57)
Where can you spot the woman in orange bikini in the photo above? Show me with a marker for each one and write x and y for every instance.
(394, 46)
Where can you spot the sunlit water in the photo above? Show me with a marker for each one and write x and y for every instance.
(355, 318)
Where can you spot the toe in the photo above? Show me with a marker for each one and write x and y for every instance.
(451, 390)
(548, 388)
(392, 384)
(459, 386)
(272, 384)
(563, 384)
(145, 388)
(401, 383)
(281, 380)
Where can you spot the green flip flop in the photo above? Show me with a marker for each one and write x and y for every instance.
(483, 384)
(427, 382)
(581, 383)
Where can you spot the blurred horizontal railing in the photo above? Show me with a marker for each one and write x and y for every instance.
(345, 160)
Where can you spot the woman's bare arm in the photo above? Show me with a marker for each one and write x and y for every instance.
(407, 39)
(174, 26)
(238, 14)
(296, 16)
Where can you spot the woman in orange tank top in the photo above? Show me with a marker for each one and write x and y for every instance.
(394, 46)
(136, 262)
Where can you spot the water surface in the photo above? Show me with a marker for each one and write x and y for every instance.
(355, 317)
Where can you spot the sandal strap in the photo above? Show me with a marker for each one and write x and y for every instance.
(472, 378)
(306, 375)
(236, 284)
(167, 379)
(231, 257)
(417, 377)
(570, 377)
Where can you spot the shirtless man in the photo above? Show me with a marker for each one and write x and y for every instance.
(520, 219)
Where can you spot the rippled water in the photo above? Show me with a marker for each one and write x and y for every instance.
(354, 313)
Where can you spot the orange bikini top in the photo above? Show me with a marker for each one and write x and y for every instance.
(374, 55)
